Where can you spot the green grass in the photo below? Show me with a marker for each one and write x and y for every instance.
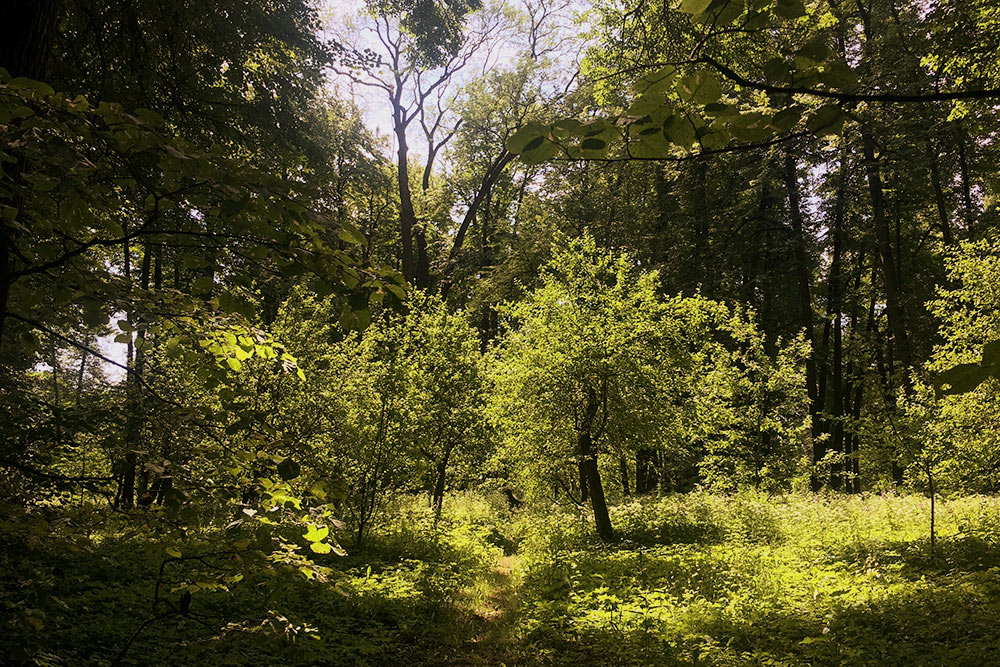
(757, 580)
(694, 580)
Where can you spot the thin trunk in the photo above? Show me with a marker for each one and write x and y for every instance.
(486, 186)
(852, 410)
(26, 34)
(893, 297)
(407, 216)
(854, 439)
(644, 470)
(439, 484)
(930, 484)
(966, 180)
(835, 310)
(805, 306)
(702, 226)
(589, 470)
(623, 470)
(57, 410)
(944, 220)
(79, 377)
(126, 487)
(837, 435)
(134, 362)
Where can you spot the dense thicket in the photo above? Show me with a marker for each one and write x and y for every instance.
(601, 257)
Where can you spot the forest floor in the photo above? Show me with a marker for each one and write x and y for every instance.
(493, 618)
(695, 579)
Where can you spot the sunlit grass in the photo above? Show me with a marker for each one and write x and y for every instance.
(746, 579)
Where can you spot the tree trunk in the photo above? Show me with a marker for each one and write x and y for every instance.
(590, 472)
(837, 435)
(893, 298)
(623, 470)
(645, 470)
(966, 180)
(407, 216)
(944, 220)
(440, 479)
(26, 34)
(805, 310)
(135, 360)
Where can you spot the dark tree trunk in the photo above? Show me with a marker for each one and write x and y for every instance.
(590, 472)
(835, 310)
(645, 471)
(26, 34)
(966, 181)
(944, 220)
(837, 435)
(893, 296)
(407, 216)
(623, 470)
(27, 28)
(853, 387)
(805, 306)
(440, 479)
(899, 340)
(133, 419)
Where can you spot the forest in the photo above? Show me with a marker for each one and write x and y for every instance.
(500, 332)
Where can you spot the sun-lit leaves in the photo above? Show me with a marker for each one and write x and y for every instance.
(316, 533)
(701, 87)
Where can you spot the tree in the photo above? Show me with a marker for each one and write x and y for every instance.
(573, 376)
(417, 49)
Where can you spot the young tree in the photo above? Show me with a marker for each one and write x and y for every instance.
(573, 377)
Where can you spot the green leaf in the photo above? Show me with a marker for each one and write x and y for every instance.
(545, 151)
(679, 131)
(202, 285)
(646, 104)
(730, 11)
(41, 182)
(786, 119)
(790, 9)
(519, 141)
(827, 120)
(991, 354)
(657, 81)
(321, 547)
(593, 144)
(534, 143)
(701, 88)
(316, 533)
(351, 234)
(288, 469)
(776, 69)
(815, 49)
(24, 83)
(838, 75)
(694, 6)
(715, 140)
(173, 551)
(234, 364)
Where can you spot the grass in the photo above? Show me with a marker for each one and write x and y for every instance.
(698, 579)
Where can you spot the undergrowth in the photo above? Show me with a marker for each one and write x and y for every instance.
(695, 579)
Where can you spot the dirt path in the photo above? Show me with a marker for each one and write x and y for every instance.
(493, 618)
